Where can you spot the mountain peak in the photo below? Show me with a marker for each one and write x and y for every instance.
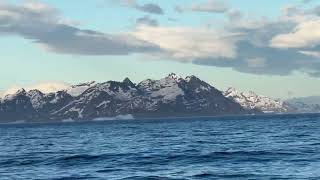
(174, 77)
(231, 89)
(21, 91)
(34, 92)
(192, 78)
(128, 81)
(172, 74)
(231, 92)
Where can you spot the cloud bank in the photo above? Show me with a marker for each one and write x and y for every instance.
(278, 46)
(304, 35)
(43, 25)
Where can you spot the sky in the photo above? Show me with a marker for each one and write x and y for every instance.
(269, 47)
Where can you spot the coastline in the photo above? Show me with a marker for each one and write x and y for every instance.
(184, 118)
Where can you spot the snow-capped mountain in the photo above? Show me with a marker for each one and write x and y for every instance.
(169, 96)
(251, 100)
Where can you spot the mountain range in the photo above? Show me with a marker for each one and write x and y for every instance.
(171, 96)
(250, 100)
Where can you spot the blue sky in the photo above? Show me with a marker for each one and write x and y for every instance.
(264, 46)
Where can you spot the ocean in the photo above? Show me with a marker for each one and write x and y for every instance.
(236, 147)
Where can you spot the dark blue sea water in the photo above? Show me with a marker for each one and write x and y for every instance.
(264, 147)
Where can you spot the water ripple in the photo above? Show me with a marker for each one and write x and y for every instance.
(280, 147)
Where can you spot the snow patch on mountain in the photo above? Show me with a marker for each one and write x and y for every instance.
(77, 90)
(77, 110)
(166, 88)
(36, 98)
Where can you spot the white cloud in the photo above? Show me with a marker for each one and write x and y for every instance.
(243, 44)
(45, 87)
(186, 44)
(257, 45)
(48, 87)
(306, 34)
